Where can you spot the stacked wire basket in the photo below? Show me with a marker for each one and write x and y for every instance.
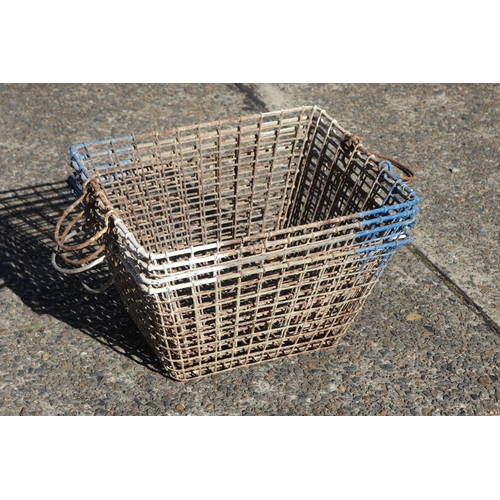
(238, 241)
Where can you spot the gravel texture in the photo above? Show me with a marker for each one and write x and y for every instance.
(417, 348)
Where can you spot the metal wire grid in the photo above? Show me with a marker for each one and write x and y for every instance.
(249, 240)
(198, 185)
(260, 311)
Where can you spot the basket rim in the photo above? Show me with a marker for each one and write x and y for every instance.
(144, 266)
(404, 212)
(195, 126)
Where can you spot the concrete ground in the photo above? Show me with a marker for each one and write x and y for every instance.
(426, 343)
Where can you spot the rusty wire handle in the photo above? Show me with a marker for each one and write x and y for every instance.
(61, 239)
(354, 141)
(410, 174)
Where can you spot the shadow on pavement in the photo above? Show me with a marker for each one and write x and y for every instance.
(27, 220)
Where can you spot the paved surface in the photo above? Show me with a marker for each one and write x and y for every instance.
(63, 352)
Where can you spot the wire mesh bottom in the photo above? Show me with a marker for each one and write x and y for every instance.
(243, 241)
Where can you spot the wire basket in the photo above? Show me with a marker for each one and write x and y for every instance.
(238, 241)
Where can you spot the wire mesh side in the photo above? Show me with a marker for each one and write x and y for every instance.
(201, 184)
(267, 235)
(276, 307)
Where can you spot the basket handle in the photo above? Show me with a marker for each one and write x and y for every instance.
(409, 173)
(81, 270)
(352, 140)
(61, 239)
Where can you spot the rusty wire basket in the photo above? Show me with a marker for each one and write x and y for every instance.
(238, 241)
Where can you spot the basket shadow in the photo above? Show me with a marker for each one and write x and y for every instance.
(27, 220)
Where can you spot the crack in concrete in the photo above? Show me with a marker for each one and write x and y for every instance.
(456, 289)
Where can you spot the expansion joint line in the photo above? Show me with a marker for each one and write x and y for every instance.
(456, 289)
